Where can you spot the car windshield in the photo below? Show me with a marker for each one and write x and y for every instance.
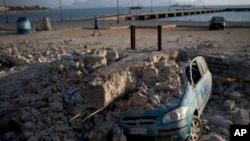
(217, 19)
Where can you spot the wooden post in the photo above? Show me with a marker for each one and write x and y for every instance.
(132, 31)
(159, 37)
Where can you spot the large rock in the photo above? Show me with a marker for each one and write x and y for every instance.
(220, 121)
(150, 75)
(235, 96)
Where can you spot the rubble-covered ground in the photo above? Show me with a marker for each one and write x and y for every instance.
(41, 100)
(41, 83)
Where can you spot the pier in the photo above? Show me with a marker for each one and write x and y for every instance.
(165, 14)
(155, 15)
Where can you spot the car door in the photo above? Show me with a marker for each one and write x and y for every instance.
(199, 84)
(206, 79)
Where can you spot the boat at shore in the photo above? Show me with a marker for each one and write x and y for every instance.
(135, 7)
(179, 5)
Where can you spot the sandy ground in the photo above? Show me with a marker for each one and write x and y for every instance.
(231, 40)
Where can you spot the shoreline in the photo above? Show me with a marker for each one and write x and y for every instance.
(112, 24)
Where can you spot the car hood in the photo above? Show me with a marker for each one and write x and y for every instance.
(155, 112)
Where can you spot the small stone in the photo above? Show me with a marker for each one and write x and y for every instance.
(118, 134)
(108, 116)
(155, 100)
(62, 128)
(224, 131)
(138, 99)
(27, 134)
(229, 105)
(235, 96)
(33, 138)
(56, 107)
(41, 126)
(98, 119)
(216, 137)
(29, 125)
(205, 138)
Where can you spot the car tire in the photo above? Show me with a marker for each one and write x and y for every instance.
(196, 129)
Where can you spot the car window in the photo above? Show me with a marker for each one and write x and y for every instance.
(196, 75)
(217, 19)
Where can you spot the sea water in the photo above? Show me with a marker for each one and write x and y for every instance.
(84, 13)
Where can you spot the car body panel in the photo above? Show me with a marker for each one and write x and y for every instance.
(149, 124)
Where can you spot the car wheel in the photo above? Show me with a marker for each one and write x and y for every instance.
(196, 129)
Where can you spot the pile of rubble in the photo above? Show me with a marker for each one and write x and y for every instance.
(51, 100)
(156, 86)
(229, 104)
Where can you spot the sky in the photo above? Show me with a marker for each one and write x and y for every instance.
(122, 3)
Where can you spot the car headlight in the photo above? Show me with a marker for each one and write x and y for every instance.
(177, 114)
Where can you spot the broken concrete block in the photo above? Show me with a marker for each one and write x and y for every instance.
(112, 56)
(96, 61)
(105, 92)
(116, 79)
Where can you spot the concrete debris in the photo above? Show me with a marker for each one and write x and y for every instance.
(240, 117)
(220, 121)
(56, 88)
(216, 137)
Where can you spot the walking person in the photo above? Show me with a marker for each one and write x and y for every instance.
(96, 27)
